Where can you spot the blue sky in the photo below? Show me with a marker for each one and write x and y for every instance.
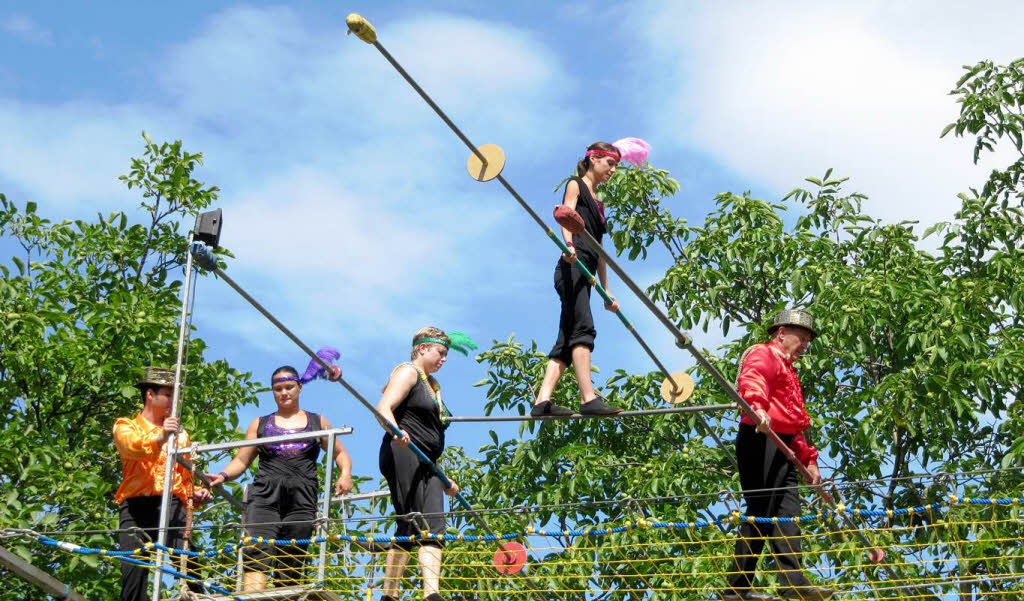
(347, 202)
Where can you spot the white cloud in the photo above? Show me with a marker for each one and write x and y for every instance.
(70, 154)
(266, 78)
(27, 29)
(346, 200)
(779, 92)
(355, 263)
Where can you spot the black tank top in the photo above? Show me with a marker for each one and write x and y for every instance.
(419, 415)
(587, 207)
(293, 461)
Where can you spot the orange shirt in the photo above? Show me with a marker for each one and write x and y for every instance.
(143, 458)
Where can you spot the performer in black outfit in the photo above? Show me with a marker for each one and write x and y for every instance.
(576, 330)
(283, 496)
(412, 401)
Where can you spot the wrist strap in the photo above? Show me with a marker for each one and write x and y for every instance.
(570, 245)
(225, 476)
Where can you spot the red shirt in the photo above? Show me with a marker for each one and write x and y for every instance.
(768, 381)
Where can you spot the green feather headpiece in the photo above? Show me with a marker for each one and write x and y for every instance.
(458, 341)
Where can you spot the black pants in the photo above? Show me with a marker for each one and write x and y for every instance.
(575, 321)
(144, 513)
(763, 466)
(280, 510)
(414, 488)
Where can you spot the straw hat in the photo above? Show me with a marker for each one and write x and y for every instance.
(157, 376)
(793, 317)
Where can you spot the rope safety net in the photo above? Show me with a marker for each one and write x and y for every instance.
(956, 545)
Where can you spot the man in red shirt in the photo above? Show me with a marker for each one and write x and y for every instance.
(768, 381)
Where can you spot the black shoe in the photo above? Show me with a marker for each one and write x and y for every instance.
(434, 597)
(548, 409)
(733, 595)
(598, 407)
(808, 593)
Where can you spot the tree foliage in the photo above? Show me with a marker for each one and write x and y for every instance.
(918, 366)
(86, 304)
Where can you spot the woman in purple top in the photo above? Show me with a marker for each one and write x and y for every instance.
(282, 500)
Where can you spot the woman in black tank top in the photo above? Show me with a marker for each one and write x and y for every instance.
(412, 401)
(283, 495)
(576, 331)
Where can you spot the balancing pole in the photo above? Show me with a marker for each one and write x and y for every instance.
(486, 163)
(206, 260)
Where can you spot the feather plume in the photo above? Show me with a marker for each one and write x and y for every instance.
(314, 371)
(633, 150)
(461, 342)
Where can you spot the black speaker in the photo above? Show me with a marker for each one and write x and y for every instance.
(208, 227)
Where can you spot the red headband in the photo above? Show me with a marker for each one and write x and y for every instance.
(597, 152)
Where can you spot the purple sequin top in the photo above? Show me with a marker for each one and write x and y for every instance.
(285, 449)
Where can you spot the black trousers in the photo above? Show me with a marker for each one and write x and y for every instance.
(575, 321)
(414, 488)
(763, 466)
(144, 513)
(280, 510)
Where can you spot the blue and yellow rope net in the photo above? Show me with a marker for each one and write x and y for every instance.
(957, 548)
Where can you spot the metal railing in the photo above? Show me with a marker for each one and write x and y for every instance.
(328, 484)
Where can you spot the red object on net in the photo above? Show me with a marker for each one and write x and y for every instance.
(510, 558)
(568, 218)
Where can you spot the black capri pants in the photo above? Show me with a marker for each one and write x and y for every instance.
(575, 321)
(414, 488)
(280, 510)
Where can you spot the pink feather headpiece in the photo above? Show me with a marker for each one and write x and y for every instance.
(633, 150)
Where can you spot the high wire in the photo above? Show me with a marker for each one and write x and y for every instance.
(577, 416)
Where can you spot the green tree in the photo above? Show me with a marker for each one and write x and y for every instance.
(987, 244)
(84, 305)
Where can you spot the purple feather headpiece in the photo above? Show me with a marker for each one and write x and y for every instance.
(315, 371)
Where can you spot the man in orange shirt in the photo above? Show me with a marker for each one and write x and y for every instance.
(141, 442)
(769, 382)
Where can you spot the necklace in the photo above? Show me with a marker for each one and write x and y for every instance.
(435, 394)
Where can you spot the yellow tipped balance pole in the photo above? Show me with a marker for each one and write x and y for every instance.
(358, 25)
(486, 163)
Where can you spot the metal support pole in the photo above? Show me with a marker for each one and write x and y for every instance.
(33, 575)
(326, 509)
(172, 442)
